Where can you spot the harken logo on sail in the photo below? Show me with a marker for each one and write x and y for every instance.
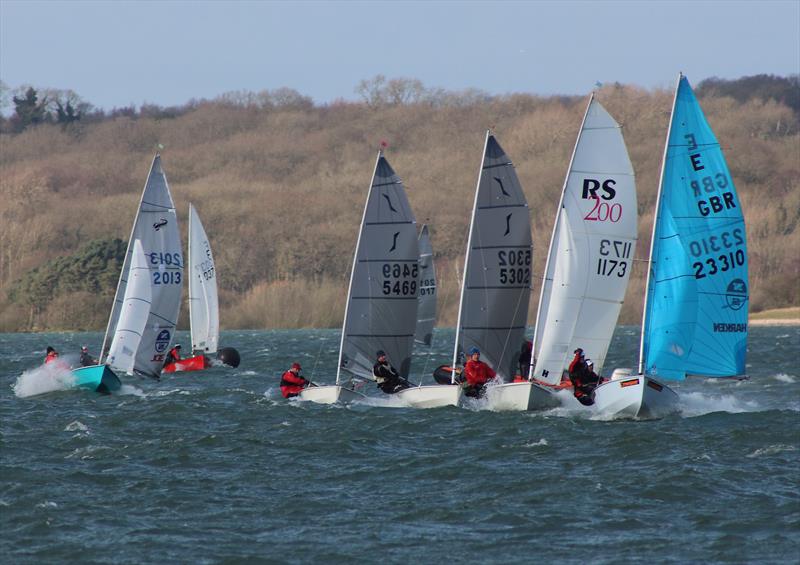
(736, 294)
(162, 341)
(160, 224)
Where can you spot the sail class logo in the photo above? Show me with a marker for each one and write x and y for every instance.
(394, 241)
(162, 341)
(508, 225)
(736, 294)
(502, 188)
(159, 224)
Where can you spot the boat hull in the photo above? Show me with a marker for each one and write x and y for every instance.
(520, 396)
(331, 394)
(635, 397)
(196, 363)
(98, 378)
(431, 396)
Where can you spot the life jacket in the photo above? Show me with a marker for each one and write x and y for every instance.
(520, 379)
(478, 373)
(291, 384)
(175, 354)
(52, 356)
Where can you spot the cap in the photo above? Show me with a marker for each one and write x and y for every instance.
(177, 346)
(50, 349)
(380, 353)
(84, 348)
(579, 350)
(474, 350)
(296, 366)
(589, 363)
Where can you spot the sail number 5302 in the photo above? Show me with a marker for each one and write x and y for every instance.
(515, 266)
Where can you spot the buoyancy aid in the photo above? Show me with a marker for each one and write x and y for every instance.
(291, 384)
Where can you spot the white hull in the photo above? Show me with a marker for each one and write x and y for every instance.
(637, 397)
(432, 396)
(330, 394)
(520, 396)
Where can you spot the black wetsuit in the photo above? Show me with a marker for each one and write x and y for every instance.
(389, 381)
(87, 360)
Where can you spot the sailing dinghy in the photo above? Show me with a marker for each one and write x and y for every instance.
(203, 304)
(695, 314)
(153, 268)
(381, 308)
(591, 251)
(495, 288)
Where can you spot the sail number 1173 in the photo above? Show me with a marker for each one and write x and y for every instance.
(614, 257)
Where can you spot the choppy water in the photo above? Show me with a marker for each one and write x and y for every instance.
(216, 467)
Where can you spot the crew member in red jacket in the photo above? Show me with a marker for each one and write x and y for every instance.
(174, 355)
(477, 374)
(579, 375)
(52, 355)
(292, 384)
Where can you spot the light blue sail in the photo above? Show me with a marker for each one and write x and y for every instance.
(695, 320)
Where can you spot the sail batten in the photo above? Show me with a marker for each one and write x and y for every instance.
(697, 295)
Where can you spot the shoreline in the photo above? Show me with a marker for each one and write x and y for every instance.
(775, 322)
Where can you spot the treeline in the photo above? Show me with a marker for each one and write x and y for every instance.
(280, 184)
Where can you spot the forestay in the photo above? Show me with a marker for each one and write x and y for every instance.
(381, 311)
(695, 319)
(591, 251)
(156, 226)
(203, 300)
(133, 315)
(426, 315)
(497, 268)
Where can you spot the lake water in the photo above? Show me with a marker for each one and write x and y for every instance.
(215, 467)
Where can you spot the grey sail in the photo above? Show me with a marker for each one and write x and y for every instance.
(156, 227)
(381, 311)
(497, 270)
(426, 316)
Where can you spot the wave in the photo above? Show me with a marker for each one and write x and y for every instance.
(43, 379)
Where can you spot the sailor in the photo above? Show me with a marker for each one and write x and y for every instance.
(524, 360)
(580, 377)
(477, 374)
(386, 376)
(173, 355)
(292, 384)
(86, 360)
(51, 356)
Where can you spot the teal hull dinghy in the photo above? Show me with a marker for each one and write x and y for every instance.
(99, 378)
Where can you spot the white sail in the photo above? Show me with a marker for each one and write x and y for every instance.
(426, 315)
(156, 227)
(133, 314)
(381, 311)
(591, 251)
(497, 271)
(203, 300)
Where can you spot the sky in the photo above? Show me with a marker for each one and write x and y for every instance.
(115, 54)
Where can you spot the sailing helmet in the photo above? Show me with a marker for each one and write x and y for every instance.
(177, 346)
(589, 363)
(296, 366)
(473, 350)
(84, 348)
(380, 353)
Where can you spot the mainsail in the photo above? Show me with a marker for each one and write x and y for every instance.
(426, 315)
(381, 310)
(497, 268)
(591, 251)
(203, 300)
(133, 315)
(156, 227)
(695, 318)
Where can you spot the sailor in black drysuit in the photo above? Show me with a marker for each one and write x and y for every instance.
(387, 377)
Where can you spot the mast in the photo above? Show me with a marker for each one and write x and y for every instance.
(536, 328)
(191, 274)
(353, 269)
(125, 263)
(469, 246)
(655, 225)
